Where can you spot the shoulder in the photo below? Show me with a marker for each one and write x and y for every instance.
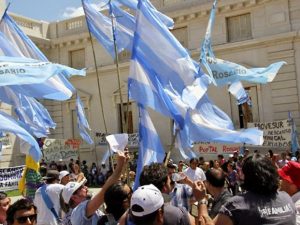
(175, 215)
(55, 187)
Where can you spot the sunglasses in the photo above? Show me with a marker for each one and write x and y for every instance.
(24, 219)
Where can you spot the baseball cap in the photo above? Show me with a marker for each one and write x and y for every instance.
(63, 173)
(148, 198)
(70, 188)
(51, 174)
(291, 173)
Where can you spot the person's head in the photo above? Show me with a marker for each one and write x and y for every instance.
(201, 160)
(216, 164)
(215, 180)
(290, 177)
(230, 167)
(51, 177)
(117, 199)
(193, 163)
(259, 175)
(146, 207)
(22, 212)
(270, 153)
(171, 169)
(74, 193)
(4, 205)
(283, 155)
(246, 153)
(180, 165)
(156, 174)
(64, 177)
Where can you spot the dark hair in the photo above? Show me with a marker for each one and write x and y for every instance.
(3, 195)
(114, 198)
(156, 174)
(260, 175)
(215, 177)
(144, 220)
(171, 166)
(194, 160)
(21, 204)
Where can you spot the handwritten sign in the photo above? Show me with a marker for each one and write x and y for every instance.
(9, 177)
(133, 139)
(215, 148)
(276, 134)
(56, 149)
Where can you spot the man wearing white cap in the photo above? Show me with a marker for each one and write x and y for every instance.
(146, 207)
(64, 177)
(84, 211)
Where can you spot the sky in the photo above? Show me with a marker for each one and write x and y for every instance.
(47, 10)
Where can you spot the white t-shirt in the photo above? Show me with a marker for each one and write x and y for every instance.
(196, 174)
(44, 215)
(296, 200)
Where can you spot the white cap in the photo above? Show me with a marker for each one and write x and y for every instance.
(62, 174)
(70, 188)
(149, 198)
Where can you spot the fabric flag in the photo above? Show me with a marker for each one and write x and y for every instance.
(82, 122)
(133, 4)
(101, 27)
(151, 149)
(238, 91)
(162, 78)
(294, 134)
(8, 124)
(19, 71)
(1, 136)
(223, 72)
(57, 87)
(35, 117)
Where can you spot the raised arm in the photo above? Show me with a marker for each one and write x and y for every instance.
(98, 199)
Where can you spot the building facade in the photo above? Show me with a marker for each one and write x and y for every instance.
(254, 33)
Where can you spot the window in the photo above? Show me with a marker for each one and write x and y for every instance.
(182, 35)
(239, 28)
(74, 24)
(127, 116)
(77, 59)
(243, 114)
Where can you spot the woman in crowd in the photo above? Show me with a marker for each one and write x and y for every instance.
(76, 174)
(261, 204)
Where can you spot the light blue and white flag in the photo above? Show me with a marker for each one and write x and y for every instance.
(8, 124)
(82, 122)
(133, 4)
(223, 72)
(238, 91)
(57, 87)
(1, 136)
(294, 135)
(34, 117)
(166, 76)
(19, 71)
(150, 149)
(101, 27)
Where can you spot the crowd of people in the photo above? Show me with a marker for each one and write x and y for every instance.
(239, 189)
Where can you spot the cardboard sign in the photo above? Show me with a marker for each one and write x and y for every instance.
(276, 134)
(133, 139)
(9, 177)
(56, 149)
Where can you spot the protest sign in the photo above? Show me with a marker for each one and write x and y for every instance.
(215, 148)
(57, 149)
(5, 141)
(9, 177)
(133, 139)
(276, 133)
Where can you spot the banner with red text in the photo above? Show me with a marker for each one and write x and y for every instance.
(61, 149)
(215, 148)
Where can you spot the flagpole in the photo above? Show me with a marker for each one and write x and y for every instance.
(171, 147)
(99, 89)
(118, 72)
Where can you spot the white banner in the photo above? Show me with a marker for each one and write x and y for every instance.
(9, 177)
(276, 134)
(56, 149)
(215, 148)
(5, 141)
(133, 139)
